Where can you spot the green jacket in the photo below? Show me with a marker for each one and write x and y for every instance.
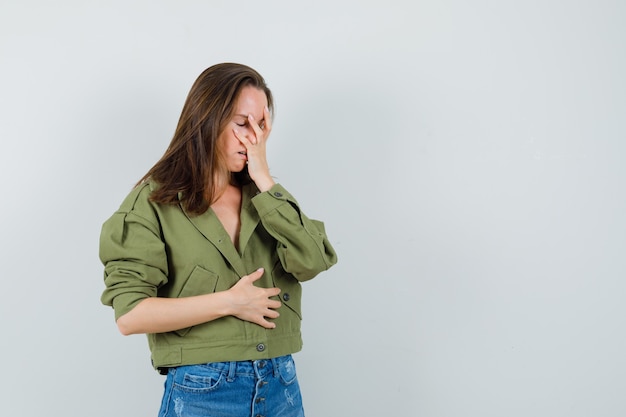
(155, 250)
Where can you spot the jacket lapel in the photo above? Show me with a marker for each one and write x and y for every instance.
(211, 228)
(249, 216)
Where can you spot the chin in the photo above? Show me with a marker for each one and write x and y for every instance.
(236, 170)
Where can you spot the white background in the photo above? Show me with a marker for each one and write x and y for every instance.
(467, 158)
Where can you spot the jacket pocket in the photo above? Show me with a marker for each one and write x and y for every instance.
(290, 289)
(200, 281)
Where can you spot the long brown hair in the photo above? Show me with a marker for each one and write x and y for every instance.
(191, 170)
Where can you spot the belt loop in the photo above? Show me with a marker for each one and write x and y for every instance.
(232, 367)
(275, 367)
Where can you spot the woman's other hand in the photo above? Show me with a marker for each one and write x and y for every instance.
(251, 303)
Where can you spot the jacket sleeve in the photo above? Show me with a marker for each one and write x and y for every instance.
(303, 248)
(134, 258)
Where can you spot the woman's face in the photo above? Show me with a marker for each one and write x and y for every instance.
(252, 101)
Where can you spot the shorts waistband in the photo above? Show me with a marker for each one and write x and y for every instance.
(260, 366)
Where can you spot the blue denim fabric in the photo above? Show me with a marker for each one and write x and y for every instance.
(263, 388)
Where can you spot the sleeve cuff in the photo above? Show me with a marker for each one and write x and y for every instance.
(272, 199)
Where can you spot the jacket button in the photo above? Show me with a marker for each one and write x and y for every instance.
(260, 347)
(278, 194)
(286, 296)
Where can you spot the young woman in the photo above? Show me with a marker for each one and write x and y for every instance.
(206, 256)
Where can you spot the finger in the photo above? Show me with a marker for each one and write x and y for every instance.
(272, 314)
(256, 275)
(266, 324)
(243, 139)
(262, 321)
(273, 292)
(267, 121)
(258, 132)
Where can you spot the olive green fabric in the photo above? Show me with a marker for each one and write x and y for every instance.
(154, 250)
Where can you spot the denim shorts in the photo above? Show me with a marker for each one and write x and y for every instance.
(262, 388)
